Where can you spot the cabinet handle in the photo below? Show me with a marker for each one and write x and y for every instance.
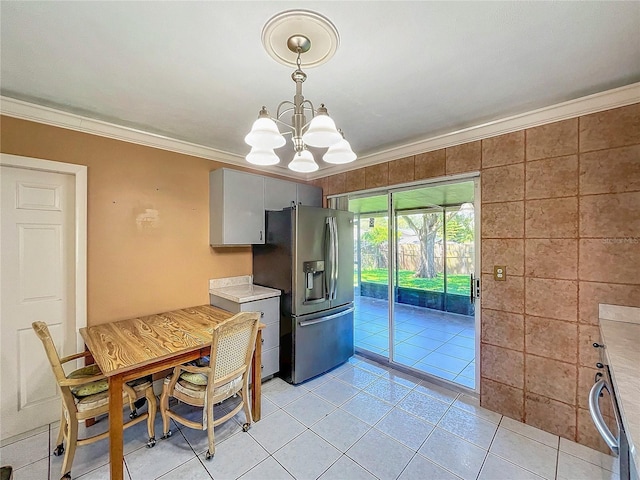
(260, 234)
(261, 314)
(262, 340)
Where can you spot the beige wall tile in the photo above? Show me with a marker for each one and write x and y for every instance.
(550, 415)
(551, 378)
(503, 220)
(587, 433)
(401, 171)
(551, 338)
(503, 184)
(610, 171)
(610, 216)
(502, 398)
(552, 140)
(502, 365)
(376, 175)
(552, 177)
(506, 252)
(594, 293)
(551, 218)
(557, 299)
(464, 158)
(551, 258)
(336, 184)
(503, 329)
(355, 180)
(430, 164)
(503, 149)
(615, 260)
(588, 356)
(506, 296)
(612, 128)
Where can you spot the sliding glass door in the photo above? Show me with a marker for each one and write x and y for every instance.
(416, 246)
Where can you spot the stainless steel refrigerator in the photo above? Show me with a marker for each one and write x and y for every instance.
(308, 255)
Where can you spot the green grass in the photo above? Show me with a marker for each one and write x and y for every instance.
(457, 284)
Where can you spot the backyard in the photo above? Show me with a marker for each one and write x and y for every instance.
(456, 284)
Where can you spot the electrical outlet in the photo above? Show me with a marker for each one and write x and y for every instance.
(499, 273)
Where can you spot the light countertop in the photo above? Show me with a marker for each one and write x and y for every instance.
(240, 289)
(620, 330)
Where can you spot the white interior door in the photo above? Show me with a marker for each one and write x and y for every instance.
(38, 283)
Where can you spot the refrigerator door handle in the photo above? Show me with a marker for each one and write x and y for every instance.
(328, 254)
(336, 256)
(306, 323)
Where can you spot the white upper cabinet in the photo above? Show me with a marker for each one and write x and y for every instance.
(236, 206)
(309, 195)
(237, 201)
(279, 194)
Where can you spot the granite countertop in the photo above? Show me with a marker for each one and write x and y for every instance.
(620, 330)
(240, 289)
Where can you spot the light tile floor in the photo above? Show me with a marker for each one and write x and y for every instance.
(359, 421)
(438, 343)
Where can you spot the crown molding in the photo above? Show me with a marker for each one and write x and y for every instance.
(617, 97)
(71, 121)
(597, 102)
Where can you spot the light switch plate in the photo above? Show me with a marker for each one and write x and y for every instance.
(499, 273)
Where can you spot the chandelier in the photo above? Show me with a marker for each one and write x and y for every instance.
(320, 131)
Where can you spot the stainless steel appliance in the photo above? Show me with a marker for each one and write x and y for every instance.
(616, 441)
(308, 255)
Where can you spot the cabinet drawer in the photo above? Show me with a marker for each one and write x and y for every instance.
(269, 307)
(270, 336)
(270, 362)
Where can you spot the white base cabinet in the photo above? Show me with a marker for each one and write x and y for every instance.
(269, 309)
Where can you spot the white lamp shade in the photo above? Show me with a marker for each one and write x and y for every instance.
(265, 135)
(303, 162)
(322, 132)
(339, 153)
(263, 157)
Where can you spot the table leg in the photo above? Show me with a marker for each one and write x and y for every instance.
(116, 448)
(256, 380)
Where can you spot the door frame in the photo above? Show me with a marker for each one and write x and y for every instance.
(79, 172)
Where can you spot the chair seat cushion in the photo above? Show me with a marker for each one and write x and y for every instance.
(196, 390)
(90, 400)
(88, 388)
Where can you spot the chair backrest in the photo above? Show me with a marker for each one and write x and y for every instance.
(42, 331)
(232, 347)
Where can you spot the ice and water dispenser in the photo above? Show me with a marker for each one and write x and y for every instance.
(314, 281)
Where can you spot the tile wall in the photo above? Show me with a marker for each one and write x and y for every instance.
(561, 209)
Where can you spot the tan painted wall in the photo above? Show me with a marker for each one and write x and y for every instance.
(560, 207)
(137, 267)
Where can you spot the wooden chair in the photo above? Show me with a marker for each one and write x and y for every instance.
(85, 394)
(225, 375)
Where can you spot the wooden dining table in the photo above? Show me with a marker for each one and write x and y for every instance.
(132, 348)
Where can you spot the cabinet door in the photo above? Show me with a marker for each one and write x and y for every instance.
(278, 194)
(309, 195)
(236, 208)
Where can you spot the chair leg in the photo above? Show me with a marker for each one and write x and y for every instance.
(152, 407)
(164, 407)
(72, 443)
(210, 431)
(247, 409)
(59, 449)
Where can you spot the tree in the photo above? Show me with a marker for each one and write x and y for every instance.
(426, 226)
(374, 240)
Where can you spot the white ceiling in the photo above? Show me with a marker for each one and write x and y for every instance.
(404, 71)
